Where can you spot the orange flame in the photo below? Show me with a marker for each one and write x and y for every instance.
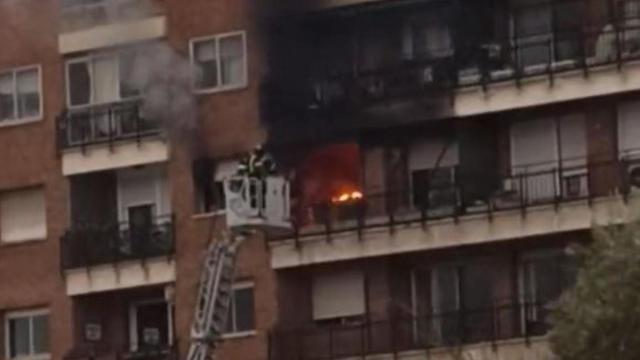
(347, 197)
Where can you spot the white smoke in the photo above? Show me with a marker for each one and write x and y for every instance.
(164, 77)
(166, 80)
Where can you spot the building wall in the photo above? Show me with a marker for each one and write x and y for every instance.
(228, 126)
(29, 272)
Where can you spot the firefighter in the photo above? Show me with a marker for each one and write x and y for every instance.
(260, 164)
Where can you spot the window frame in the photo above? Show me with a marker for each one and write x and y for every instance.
(134, 341)
(29, 119)
(231, 330)
(30, 314)
(216, 38)
(89, 59)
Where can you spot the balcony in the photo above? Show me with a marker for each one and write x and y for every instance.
(107, 353)
(109, 136)
(92, 24)
(122, 325)
(416, 69)
(465, 211)
(103, 257)
(87, 245)
(507, 327)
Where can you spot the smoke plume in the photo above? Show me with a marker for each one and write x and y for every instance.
(166, 80)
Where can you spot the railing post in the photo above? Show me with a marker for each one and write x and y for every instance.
(494, 325)
(363, 352)
(523, 192)
(550, 55)
(137, 126)
(394, 345)
(618, 29)
(110, 130)
(331, 342)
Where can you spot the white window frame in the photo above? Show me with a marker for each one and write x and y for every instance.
(526, 280)
(216, 38)
(133, 321)
(30, 119)
(18, 315)
(232, 333)
(89, 59)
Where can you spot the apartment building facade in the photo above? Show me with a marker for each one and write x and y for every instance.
(442, 155)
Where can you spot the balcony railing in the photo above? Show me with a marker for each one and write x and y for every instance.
(506, 320)
(80, 14)
(106, 352)
(522, 189)
(614, 39)
(86, 245)
(105, 124)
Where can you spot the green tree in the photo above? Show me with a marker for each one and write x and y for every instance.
(599, 318)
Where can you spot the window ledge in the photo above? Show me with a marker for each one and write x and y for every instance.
(7, 244)
(17, 122)
(33, 357)
(239, 335)
(220, 89)
(209, 214)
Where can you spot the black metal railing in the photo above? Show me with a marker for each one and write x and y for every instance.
(614, 38)
(468, 194)
(503, 320)
(85, 245)
(91, 351)
(104, 124)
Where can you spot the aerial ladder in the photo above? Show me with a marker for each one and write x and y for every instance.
(254, 206)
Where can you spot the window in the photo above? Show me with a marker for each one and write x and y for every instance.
(544, 275)
(20, 94)
(222, 61)
(338, 295)
(22, 215)
(241, 313)
(208, 180)
(427, 36)
(27, 335)
(629, 129)
(100, 79)
(460, 301)
(149, 323)
(432, 164)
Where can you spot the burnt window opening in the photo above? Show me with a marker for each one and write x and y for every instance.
(208, 179)
(434, 187)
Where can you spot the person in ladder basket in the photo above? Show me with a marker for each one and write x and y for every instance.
(258, 165)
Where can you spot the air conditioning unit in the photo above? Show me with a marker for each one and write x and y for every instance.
(575, 185)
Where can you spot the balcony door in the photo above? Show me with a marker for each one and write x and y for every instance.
(534, 156)
(545, 32)
(150, 325)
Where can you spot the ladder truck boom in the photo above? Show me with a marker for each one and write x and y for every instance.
(253, 205)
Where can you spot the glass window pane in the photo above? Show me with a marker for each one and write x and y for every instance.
(206, 59)
(232, 60)
(19, 337)
(41, 334)
(79, 84)
(244, 309)
(7, 105)
(105, 80)
(127, 71)
(28, 94)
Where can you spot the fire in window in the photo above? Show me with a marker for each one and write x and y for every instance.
(329, 183)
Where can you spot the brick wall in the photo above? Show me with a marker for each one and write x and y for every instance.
(29, 272)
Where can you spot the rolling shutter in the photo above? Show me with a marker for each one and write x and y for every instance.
(338, 294)
(22, 215)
